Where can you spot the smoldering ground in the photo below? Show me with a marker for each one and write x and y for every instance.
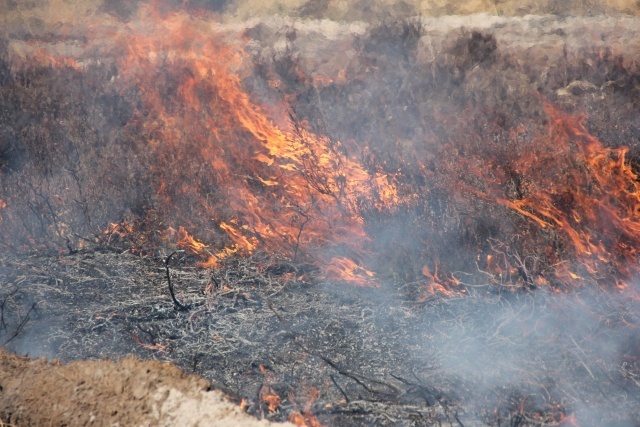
(373, 356)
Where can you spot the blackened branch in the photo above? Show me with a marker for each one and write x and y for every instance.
(346, 398)
(3, 324)
(302, 224)
(358, 378)
(177, 303)
(21, 325)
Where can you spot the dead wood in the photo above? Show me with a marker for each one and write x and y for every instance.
(178, 305)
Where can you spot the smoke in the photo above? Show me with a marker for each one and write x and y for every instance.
(517, 353)
(531, 350)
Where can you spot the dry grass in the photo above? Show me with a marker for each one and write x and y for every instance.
(379, 9)
(35, 16)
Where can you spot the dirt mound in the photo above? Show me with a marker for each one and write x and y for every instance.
(129, 392)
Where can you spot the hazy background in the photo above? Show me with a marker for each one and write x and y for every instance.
(25, 14)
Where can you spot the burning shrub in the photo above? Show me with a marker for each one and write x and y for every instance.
(449, 157)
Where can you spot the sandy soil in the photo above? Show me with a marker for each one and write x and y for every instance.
(130, 392)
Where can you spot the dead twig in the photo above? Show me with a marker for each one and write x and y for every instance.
(358, 378)
(178, 305)
(346, 398)
(21, 325)
(3, 324)
(302, 224)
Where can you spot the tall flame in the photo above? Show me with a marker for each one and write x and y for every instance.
(234, 176)
(594, 199)
(567, 184)
(270, 188)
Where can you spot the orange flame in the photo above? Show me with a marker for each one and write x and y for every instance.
(306, 418)
(282, 189)
(595, 202)
(575, 186)
(269, 396)
(435, 285)
(345, 269)
(186, 241)
(224, 170)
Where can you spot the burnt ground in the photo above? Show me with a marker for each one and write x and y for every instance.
(351, 356)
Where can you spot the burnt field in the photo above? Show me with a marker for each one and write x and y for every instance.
(417, 221)
(343, 356)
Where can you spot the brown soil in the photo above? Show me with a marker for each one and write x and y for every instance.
(129, 392)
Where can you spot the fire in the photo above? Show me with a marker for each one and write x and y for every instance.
(574, 203)
(305, 418)
(121, 229)
(268, 396)
(186, 241)
(235, 177)
(271, 188)
(344, 269)
(593, 197)
(435, 285)
(163, 348)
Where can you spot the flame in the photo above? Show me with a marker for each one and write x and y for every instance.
(3, 205)
(345, 269)
(435, 285)
(233, 178)
(121, 229)
(594, 201)
(569, 185)
(189, 243)
(305, 418)
(269, 396)
(285, 190)
(186, 241)
(163, 348)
